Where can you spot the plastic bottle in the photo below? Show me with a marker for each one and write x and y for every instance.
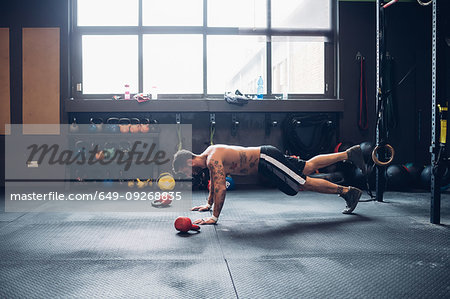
(260, 89)
(154, 93)
(127, 92)
(285, 95)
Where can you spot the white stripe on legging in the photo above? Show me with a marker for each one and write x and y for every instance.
(284, 168)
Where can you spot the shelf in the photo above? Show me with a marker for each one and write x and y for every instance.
(201, 105)
(117, 135)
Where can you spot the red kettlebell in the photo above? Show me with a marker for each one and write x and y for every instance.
(164, 201)
(184, 224)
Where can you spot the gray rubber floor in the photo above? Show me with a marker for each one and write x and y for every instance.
(266, 245)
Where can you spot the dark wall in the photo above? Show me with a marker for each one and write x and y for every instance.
(16, 15)
(408, 38)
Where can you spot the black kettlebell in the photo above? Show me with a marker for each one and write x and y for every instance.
(73, 128)
(112, 125)
(96, 125)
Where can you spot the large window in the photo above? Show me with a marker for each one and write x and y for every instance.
(203, 48)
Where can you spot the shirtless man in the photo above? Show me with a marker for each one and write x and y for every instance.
(288, 173)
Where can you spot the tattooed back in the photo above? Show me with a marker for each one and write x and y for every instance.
(235, 160)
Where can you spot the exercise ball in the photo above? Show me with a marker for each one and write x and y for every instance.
(445, 182)
(359, 179)
(342, 146)
(367, 149)
(397, 177)
(346, 168)
(445, 177)
(425, 177)
(414, 171)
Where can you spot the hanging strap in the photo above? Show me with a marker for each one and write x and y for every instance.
(363, 122)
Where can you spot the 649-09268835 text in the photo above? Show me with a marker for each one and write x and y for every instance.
(97, 195)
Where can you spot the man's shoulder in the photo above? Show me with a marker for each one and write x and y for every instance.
(216, 153)
(216, 149)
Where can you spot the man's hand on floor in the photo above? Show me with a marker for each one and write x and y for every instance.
(201, 208)
(207, 220)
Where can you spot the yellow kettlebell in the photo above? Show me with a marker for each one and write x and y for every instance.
(143, 183)
(166, 182)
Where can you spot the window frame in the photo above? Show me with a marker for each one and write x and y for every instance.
(330, 50)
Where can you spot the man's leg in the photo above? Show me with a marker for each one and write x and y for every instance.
(322, 161)
(351, 195)
(353, 154)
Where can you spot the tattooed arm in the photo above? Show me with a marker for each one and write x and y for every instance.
(211, 192)
(210, 202)
(217, 190)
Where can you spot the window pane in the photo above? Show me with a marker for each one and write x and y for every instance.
(173, 63)
(235, 62)
(298, 65)
(107, 12)
(301, 14)
(172, 12)
(109, 62)
(237, 13)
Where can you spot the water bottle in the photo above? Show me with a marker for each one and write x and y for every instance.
(154, 93)
(127, 92)
(285, 94)
(260, 89)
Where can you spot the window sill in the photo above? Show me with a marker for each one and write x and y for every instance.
(202, 105)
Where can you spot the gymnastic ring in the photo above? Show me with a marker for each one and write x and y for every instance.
(424, 3)
(375, 158)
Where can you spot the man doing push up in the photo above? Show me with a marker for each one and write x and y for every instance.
(288, 173)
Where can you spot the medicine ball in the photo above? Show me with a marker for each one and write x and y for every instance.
(367, 149)
(444, 174)
(425, 178)
(414, 171)
(445, 182)
(359, 179)
(397, 177)
(342, 146)
(229, 183)
(445, 177)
